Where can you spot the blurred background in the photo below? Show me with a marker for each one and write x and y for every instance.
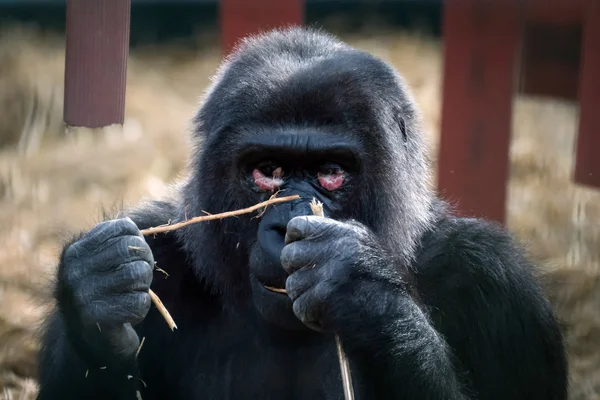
(53, 183)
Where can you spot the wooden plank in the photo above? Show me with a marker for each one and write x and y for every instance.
(551, 60)
(480, 40)
(555, 12)
(97, 48)
(587, 167)
(240, 18)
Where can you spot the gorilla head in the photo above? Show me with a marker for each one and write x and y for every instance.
(307, 115)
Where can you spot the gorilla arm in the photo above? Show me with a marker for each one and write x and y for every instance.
(89, 346)
(342, 281)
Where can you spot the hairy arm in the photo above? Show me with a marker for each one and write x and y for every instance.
(90, 344)
(64, 374)
(466, 320)
(482, 296)
(342, 281)
(396, 352)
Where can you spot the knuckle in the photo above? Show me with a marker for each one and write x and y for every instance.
(124, 226)
(298, 225)
(98, 234)
(137, 246)
(139, 307)
(300, 309)
(288, 254)
(292, 287)
(73, 251)
(298, 255)
(322, 292)
(141, 271)
(96, 312)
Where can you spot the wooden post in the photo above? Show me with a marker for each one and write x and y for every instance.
(587, 167)
(480, 60)
(240, 18)
(96, 62)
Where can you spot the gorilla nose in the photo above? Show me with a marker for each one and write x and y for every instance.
(271, 239)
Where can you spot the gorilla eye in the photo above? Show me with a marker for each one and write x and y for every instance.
(331, 176)
(268, 176)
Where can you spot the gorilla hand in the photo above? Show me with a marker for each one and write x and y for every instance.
(339, 275)
(103, 284)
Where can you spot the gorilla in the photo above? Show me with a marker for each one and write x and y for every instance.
(426, 304)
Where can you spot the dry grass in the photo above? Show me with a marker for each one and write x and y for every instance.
(51, 185)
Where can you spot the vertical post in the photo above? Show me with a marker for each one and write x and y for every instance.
(587, 167)
(96, 62)
(481, 40)
(240, 18)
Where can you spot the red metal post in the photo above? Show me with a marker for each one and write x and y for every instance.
(481, 40)
(551, 60)
(96, 62)
(240, 18)
(587, 168)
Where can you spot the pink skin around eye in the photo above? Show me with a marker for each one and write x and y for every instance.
(331, 181)
(267, 183)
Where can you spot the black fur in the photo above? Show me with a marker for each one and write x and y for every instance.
(428, 306)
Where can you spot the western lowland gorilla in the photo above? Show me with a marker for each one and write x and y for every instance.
(426, 305)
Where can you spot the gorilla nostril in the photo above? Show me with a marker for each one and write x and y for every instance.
(281, 229)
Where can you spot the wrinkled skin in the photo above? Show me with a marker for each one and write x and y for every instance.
(329, 261)
(104, 287)
(427, 305)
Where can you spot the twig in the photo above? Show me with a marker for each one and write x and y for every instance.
(317, 209)
(163, 310)
(137, 353)
(166, 228)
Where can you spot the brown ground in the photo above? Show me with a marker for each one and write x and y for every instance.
(51, 185)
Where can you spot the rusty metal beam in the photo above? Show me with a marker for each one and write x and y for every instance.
(97, 48)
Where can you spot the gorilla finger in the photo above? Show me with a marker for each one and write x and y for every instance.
(123, 340)
(299, 282)
(132, 277)
(309, 227)
(297, 255)
(134, 248)
(300, 227)
(118, 251)
(129, 277)
(309, 308)
(100, 234)
(113, 311)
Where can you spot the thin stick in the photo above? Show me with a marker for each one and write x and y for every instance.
(345, 369)
(163, 310)
(167, 228)
(317, 209)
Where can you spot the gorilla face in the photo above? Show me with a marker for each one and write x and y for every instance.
(310, 164)
(301, 113)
